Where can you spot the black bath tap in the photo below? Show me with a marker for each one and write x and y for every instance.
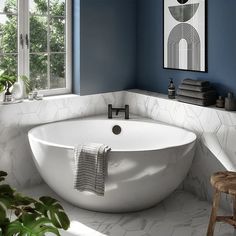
(117, 110)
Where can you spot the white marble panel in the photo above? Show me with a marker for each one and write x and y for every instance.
(216, 130)
(17, 119)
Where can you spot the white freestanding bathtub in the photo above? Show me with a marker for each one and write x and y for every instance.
(147, 162)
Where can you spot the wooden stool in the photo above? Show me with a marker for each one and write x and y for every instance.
(223, 182)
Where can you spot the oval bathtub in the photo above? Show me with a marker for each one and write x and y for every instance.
(147, 162)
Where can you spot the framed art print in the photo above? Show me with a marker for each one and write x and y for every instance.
(185, 35)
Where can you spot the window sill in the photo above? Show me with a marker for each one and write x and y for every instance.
(46, 98)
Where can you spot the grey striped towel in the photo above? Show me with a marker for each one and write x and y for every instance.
(91, 167)
(211, 94)
(195, 88)
(203, 83)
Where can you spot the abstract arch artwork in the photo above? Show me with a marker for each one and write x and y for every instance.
(184, 35)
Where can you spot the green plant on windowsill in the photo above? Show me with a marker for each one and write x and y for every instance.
(24, 216)
(6, 82)
(30, 85)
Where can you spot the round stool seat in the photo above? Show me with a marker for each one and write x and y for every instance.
(225, 182)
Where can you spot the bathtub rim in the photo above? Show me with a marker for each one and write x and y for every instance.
(102, 118)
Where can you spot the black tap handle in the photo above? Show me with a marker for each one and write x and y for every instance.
(126, 112)
(109, 111)
(27, 40)
(21, 41)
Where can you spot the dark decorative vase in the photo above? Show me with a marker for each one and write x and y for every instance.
(230, 102)
(171, 90)
(8, 96)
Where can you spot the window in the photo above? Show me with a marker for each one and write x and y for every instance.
(35, 40)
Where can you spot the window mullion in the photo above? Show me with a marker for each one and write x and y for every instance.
(48, 47)
(26, 32)
(23, 29)
(20, 26)
(68, 50)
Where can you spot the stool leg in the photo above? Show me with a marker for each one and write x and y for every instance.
(215, 206)
(234, 209)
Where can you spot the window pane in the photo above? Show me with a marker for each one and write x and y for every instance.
(8, 33)
(38, 34)
(8, 63)
(8, 6)
(38, 70)
(57, 71)
(57, 34)
(57, 7)
(39, 7)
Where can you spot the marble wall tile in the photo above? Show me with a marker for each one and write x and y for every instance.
(215, 129)
(17, 119)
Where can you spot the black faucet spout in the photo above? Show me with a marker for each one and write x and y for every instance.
(117, 110)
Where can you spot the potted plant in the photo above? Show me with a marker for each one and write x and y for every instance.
(24, 216)
(6, 82)
(30, 87)
(29, 84)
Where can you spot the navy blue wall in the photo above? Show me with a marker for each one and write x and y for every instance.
(221, 47)
(107, 45)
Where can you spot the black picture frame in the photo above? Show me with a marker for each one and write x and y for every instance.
(205, 38)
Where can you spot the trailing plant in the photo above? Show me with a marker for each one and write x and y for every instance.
(24, 216)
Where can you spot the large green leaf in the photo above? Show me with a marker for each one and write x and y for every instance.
(54, 211)
(6, 190)
(31, 227)
(3, 226)
(3, 174)
(20, 200)
(6, 196)
(2, 215)
(33, 218)
(7, 81)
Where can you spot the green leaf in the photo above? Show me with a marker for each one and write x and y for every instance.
(48, 229)
(33, 218)
(2, 214)
(54, 211)
(6, 195)
(38, 224)
(19, 200)
(30, 226)
(14, 228)
(64, 220)
(27, 83)
(3, 226)
(3, 174)
(28, 219)
(5, 189)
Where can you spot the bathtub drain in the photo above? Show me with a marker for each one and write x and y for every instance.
(116, 129)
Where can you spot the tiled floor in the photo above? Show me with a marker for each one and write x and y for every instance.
(181, 214)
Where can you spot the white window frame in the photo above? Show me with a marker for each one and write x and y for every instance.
(23, 53)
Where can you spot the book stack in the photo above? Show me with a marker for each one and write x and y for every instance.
(198, 92)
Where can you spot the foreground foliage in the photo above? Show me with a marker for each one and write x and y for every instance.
(24, 216)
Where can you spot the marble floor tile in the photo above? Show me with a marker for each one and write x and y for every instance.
(181, 214)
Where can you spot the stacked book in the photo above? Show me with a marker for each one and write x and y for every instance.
(198, 92)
